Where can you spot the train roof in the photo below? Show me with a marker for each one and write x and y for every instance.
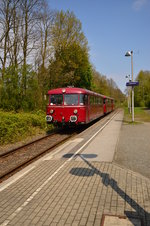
(106, 97)
(75, 90)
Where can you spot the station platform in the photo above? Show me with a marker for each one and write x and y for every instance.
(78, 184)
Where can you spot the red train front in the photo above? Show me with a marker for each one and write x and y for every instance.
(73, 106)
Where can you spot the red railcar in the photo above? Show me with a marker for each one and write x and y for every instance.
(74, 106)
(108, 104)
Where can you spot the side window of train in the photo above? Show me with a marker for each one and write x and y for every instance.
(100, 100)
(91, 100)
(83, 99)
(95, 100)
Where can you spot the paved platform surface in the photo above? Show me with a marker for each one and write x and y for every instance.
(74, 186)
(133, 150)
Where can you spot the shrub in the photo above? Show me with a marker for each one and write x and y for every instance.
(17, 126)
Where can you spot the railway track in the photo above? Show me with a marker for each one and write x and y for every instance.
(15, 159)
(13, 150)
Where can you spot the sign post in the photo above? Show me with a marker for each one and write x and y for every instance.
(132, 84)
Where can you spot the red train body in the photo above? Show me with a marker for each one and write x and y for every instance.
(75, 106)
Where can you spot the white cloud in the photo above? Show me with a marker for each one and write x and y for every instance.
(138, 4)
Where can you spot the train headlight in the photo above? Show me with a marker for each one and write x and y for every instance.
(49, 118)
(73, 118)
(51, 111)
(75, 111)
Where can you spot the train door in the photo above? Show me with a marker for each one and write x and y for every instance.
(83, 101)
(104, 106)
(86, 102)
(89, 108)
(112, 105)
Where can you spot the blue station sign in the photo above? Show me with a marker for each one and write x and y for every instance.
(132, 83)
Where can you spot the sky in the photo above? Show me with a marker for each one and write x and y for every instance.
(113, 27)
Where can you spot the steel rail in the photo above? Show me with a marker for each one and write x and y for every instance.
(6, 153)
(26, 162)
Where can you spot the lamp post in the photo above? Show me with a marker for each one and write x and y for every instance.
(130, 53)
(129, 95)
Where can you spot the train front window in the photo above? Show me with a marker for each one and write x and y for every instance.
(56, 99)
(83, 99)
(70, 99)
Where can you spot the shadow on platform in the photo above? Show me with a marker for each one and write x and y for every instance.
(140, 213)
(85, 156)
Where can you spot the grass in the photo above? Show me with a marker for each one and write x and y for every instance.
(16, 127)
(140, 115)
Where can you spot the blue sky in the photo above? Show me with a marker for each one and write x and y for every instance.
(113, 27)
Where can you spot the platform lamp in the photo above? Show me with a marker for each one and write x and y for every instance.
(130, 54)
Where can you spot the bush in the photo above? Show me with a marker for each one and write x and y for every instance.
(17, 126)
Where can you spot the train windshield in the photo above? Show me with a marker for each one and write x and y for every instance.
(70, 99)
(56, 99)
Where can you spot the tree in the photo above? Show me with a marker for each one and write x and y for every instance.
(67, 29)
(29, 35)
(99, 83)
(107, 87)
(70, 62)
(5, 25)
(142, 92)
(44, 51)
(10, 92)
(70, 67)
(44, 27)
(14, 38)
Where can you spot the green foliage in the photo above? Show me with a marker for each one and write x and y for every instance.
(67, 29)
(70, 63)
(142, 92)
(99, 84)
(71, 67)
(107, 87)
(15, 94)
(85, 75)
(16, 126)
(10, 90)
